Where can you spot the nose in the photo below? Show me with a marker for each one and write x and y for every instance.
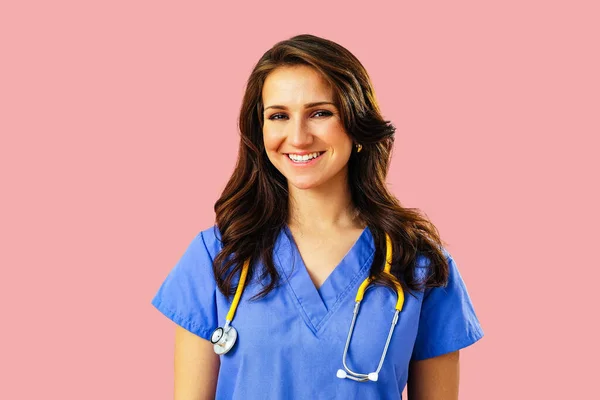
(299, 134)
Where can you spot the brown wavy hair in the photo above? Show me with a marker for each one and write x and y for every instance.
(253, 207)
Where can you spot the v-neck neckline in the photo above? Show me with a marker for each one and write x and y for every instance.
(317, 305)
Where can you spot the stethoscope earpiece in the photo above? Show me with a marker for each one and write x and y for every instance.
(373, 376)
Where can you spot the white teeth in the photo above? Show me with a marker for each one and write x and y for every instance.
(305, 157)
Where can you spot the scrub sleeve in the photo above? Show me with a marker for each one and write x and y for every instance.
(188, 294)
(447, 321)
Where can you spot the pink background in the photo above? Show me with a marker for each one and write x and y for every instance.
(118, 132)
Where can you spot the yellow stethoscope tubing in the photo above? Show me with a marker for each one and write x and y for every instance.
(388, 265)
(373, 376)
(238, 291)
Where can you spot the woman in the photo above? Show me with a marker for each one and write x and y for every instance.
(304, 220)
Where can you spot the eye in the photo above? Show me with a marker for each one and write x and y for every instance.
(272, 117)
(324, 112)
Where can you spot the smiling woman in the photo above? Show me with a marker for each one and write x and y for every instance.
(337, 290)
(308, 132)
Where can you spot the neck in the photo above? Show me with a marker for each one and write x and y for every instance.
(323, 208)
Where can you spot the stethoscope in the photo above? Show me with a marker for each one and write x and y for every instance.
(223, 338)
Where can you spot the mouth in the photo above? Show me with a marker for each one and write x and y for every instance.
(304, 158)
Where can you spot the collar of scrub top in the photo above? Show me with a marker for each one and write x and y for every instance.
(224, 338)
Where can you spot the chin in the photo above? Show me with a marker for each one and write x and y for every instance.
(303, 184)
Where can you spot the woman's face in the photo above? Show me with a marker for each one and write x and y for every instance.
(296, 129)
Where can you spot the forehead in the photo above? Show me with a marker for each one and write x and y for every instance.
(295, 84)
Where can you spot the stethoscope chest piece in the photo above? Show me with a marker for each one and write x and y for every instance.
(223, 339)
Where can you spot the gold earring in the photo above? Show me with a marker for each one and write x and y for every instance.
(358, 147)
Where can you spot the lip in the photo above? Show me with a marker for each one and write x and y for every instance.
(302, 153)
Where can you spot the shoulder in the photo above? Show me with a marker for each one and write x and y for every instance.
(210, 238)
(424, 267)
(200, 253)
(422, 261)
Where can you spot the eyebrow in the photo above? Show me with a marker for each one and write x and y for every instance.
(307, 105)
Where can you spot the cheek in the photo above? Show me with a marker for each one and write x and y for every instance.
(271, 140)
(334, 131)
(340, 140)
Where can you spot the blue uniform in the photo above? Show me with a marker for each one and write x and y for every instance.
(291, 342)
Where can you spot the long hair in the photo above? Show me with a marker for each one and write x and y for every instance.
(253, 207)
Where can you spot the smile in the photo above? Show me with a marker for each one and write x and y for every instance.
(304, 158)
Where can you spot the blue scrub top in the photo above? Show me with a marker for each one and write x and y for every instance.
(291, 342)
